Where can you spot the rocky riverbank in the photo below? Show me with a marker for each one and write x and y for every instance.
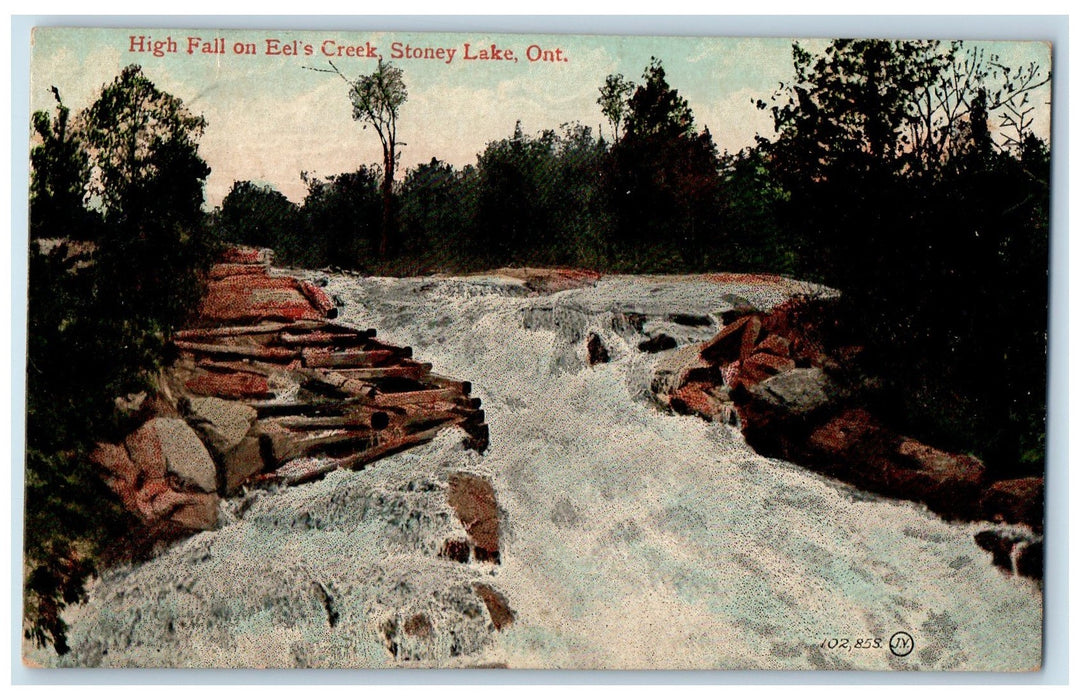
(265, 392)
(628, 537)
(797, 396)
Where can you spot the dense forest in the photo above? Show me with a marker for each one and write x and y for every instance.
(903, 173)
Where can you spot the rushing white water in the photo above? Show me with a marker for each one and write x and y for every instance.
(632, 538)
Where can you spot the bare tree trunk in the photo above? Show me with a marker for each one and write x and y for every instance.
(387, 201)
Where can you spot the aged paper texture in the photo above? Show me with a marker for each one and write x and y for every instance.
(364, 350)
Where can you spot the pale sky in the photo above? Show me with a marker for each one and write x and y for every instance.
(269, 118)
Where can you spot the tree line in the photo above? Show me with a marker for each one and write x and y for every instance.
(904, 173)
(657, 198)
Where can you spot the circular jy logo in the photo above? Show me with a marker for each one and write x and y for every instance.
(901, 644)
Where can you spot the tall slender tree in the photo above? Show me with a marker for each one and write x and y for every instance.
(614, 96)
(376, 102)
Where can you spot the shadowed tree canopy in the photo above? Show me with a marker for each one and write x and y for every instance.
(905, 106)
(663, 177)
(60, 171)
(911, 171)
(259, 215)
(98, 321)
(143, 141)
(656, 109)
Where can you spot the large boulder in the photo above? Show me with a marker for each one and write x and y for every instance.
(169, 446)
(853, 445)
(182, 511)
(946, 482)
(1017, 501)
(227, 429)
(146, 493)
(735, 341)
(222, 424)
(241, 462)
(676, 368)
(796, 393)
(762, 365)
(114, 465)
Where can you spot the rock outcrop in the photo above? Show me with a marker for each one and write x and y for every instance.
(797, 397)
(266, 391)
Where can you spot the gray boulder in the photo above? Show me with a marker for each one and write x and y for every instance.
(222, 424)
(185, 455)
(796, 393)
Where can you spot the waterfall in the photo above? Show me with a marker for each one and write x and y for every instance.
(632, 538)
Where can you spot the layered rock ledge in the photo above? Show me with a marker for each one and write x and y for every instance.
(265, 391)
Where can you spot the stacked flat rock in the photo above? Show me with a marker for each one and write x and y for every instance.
(267, 389)
(315, 395)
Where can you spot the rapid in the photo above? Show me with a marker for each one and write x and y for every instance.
(632, 538)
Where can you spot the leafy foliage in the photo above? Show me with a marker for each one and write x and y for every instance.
(918, 214)
(437, 216)
(59, 176)
(341, 214)
(663, 181)
(98, 314)
(260, 216)
(614, 95)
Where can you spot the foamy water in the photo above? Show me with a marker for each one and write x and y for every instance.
(632, 538)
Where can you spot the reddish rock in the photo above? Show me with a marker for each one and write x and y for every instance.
(160, 506)
(800, 321)
(946, 482)
(418, 626)
(143, 499)
(253, 298)
(163, 446)
(498, 608)
(840, 436)
(318, 298)
(733, 342)
(243, 255)
(769, 365)
(114, 462)
(694, 398)
(144, 448)
(774, 345)
(546, 281)
(229, 385)
(730, 373)
(1018, 501)
(473, 499)
(223, 270)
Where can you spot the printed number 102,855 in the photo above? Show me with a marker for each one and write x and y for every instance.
(857, 643)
